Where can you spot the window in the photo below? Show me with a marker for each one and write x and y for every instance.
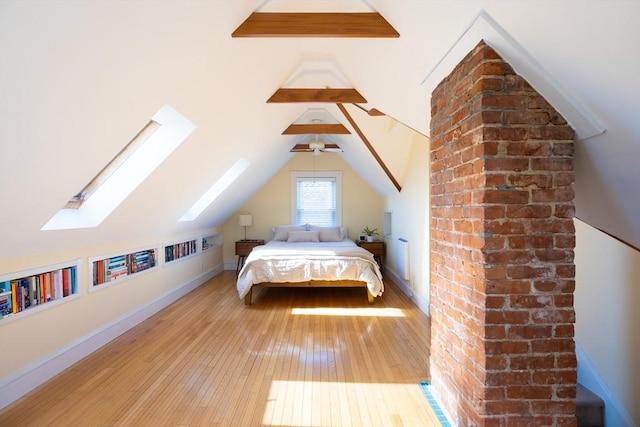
(111, 167)
(316, 199)
(215, 190)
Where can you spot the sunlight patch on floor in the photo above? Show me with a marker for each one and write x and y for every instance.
(365, 312)
(327, 403)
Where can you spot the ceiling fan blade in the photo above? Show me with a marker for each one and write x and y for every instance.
(306, 148)
(301, 148)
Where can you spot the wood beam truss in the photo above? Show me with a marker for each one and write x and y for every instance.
(348, 95)
(369, 146)
(368, 24)
(316, 128)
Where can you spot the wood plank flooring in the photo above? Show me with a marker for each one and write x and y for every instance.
(296, 357)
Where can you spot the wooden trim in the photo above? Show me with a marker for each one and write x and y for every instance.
(376, 112)
(372, 112)
(316, 95)
(369, 146)
(287, 24)
(322, 128)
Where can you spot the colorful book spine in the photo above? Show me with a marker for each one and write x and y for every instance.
(180, 250)
(74, 284)
(5, 303)
(20, 294)
(66, 282)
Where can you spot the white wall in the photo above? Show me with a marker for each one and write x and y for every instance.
(410, 221)
(607, 298)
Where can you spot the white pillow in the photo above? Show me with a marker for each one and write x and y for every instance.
(281, 232)
(328, 234)
(344, 233)
(303, 236)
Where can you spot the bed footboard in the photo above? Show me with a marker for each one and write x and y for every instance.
(313, 283)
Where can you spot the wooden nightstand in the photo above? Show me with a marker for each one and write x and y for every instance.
(377, 248)
(243, 249)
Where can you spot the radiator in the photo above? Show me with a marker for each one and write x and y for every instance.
(403, 259)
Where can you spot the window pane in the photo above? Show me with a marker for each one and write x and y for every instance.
(316, 201)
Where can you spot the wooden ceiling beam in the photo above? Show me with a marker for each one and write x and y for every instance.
(347, 95)
(317, 128)
(315, 24)
(369, 146)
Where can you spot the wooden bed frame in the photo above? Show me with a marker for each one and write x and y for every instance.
(312, 283)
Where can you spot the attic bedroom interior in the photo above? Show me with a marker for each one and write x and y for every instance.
(155, 154)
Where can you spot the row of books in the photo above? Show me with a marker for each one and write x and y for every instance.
(20, 294)
(109, 269)
(179, 250)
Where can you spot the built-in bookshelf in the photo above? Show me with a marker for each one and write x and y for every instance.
(30, 290)
(210, 242)
(179, 250)
(107, 270)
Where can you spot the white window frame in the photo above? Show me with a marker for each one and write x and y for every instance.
(310, 175)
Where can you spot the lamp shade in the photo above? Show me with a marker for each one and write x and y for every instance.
(245, 220)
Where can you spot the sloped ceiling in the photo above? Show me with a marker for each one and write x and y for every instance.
(78, 79)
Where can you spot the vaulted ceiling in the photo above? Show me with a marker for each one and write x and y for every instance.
(78, 79)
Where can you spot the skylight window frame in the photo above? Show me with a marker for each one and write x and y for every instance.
(110, 168)
(123, 179)
(216, 189)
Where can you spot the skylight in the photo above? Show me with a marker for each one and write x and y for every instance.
(133, 164)
(216, 189)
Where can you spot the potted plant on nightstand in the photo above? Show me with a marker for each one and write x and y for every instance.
(370, 233)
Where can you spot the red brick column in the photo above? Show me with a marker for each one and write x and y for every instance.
(502, 239)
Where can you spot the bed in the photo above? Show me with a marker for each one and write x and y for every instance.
(301, 256)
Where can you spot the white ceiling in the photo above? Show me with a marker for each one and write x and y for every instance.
(79, 78)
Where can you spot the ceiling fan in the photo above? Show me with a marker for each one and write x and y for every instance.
(316, 146)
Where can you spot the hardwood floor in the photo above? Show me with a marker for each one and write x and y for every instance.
(296, 357)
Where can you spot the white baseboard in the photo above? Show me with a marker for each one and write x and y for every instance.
(405, 287)
(22, 382)
(588, 376)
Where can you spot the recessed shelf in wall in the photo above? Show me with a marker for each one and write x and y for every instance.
(211, 242)
(115, 268)
(30, 291)
(180, 250)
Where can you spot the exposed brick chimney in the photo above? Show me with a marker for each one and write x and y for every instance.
(502, 240)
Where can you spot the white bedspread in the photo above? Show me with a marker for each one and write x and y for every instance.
(279, 262)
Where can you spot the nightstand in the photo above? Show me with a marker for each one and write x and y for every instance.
(377, 248)
(243, 249)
